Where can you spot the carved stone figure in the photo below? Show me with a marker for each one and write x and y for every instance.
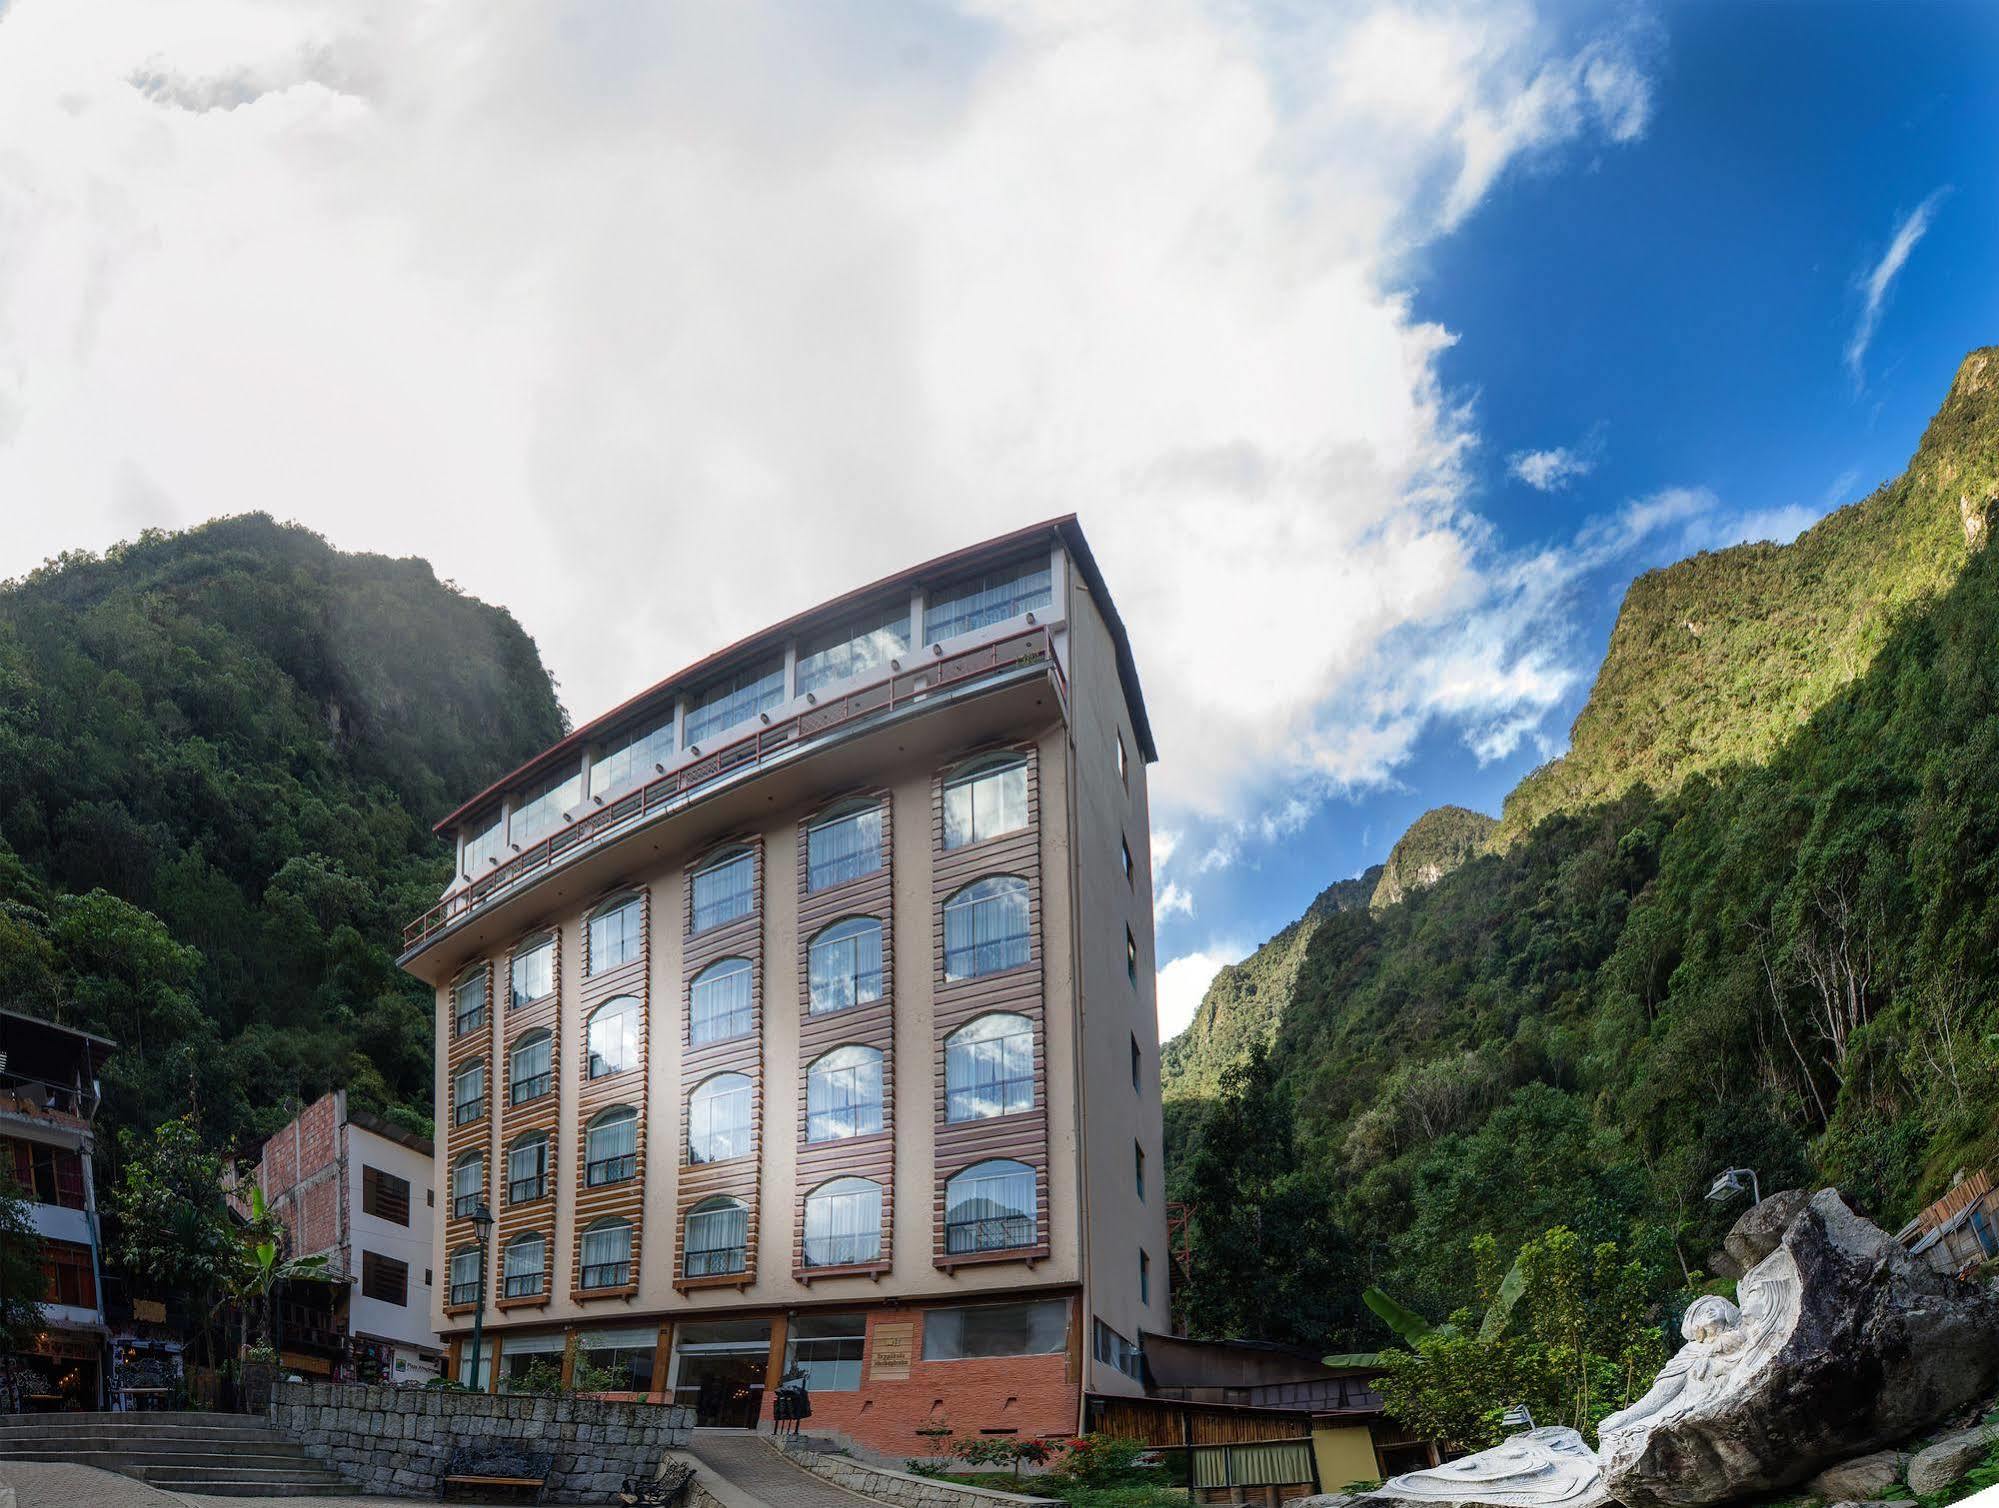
(1538, 1469)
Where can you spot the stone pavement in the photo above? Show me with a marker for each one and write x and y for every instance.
(755, 1471)
(42, 1484)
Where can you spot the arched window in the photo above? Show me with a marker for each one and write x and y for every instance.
(468, 1003)
(984, 799)
(611, 1147)
(607, 1255)
(724, 888)
(990, 1207)
(845, 965)
(718, 1234)
(529, 1067)
(468, 1092)
(468, 1183)
(614, 1037)
(985, 927)
(989, 1067)
(526, 1265)
(843, 1223)
(616, 930)
(718, 1119)
(718, 1002)
(533, 970)
(527, 1168)
(844, 845)
(843, 1094)
(465, 1275)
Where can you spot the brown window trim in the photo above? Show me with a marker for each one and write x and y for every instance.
(741, 1279)
(452, 1310)
(523, 1301)
(874, 1270)
(590, 1295)
(1027, 1254)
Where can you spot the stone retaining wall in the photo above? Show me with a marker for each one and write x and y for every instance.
(397, 1440)
(886, 1485)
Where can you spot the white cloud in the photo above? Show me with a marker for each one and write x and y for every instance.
(1549, 470)
(1874, 287)
(608, 311)
(1183, 982)
(1171, 899)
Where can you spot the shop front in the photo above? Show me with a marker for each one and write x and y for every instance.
(719, 1370)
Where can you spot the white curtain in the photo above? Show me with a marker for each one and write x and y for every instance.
(843, 1223)
(985, 928)
(718, 1119)
(718, 1002)
(989, 1068)
(844, 848)
(614, 936)
(716, 1238)
(846, 965)
(843, 1094)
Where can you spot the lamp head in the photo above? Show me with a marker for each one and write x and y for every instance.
(482, 1219)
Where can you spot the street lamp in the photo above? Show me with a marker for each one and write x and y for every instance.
(482, 1226)
(1730, 1183)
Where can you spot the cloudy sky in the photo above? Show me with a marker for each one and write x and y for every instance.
(1377, 345)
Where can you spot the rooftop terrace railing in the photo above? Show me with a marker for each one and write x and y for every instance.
(679, 788)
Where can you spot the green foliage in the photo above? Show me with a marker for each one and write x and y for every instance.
(1779, 952)
(540, 1378)
(1436, 843)
(220, 751)
(21, 1279)
(1099, 1460)
(175, 1234)
(1003, 1452)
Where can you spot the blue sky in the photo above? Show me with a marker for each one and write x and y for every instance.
(1377, 344)
(1679, 311)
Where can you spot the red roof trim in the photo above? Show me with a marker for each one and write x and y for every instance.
(1065, 528)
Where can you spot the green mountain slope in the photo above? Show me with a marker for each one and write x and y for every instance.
(220, 751)
(1785, 957)
(1436, 843)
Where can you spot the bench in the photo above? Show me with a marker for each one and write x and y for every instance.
(666, 1489)
(487, 1466)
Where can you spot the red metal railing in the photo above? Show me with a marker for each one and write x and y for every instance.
(677, 787)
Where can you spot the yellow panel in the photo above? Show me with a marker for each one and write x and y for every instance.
(1345, 1453)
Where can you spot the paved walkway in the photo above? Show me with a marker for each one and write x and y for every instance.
(758, 1473)
(49, 1484)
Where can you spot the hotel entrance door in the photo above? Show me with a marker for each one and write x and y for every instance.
(718, 1371)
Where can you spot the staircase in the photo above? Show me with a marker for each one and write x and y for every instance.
(223, 1455)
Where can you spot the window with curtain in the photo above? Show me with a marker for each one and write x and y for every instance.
(856, 646)
(988, 597)
(468, 1093)
(607, 1255)
(468, 1003)
(990, 1207)
(985, 800)
(724, 889)
(989, 1067)
(736, 698)
(468, 1184)
(718, 1119)
(522, 1355)
(843, 1223)
(844, 965)
(527, 1168)
(626, 1353)
(525, 1265)
(533, 970)
(986, 928)
(611, 1147)
(465, 1276)
(1037, 1328)
(530, 1068)
(843, 847)
(718, 1236)
(718, 1002)
(540, 810)
(615, 933)
(614, 1036)
(632, 757)
(843, 1094)
(828, 1348)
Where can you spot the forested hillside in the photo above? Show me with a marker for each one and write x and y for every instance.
(220, 753)
(1783, 954)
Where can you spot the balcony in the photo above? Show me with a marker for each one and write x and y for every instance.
(712, 772)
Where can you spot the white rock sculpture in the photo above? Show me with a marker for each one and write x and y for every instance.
(1538, 1469)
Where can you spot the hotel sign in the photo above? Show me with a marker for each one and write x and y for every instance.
(894, 1349)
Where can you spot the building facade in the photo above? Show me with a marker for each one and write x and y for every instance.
(798, 1016)
(48, 1102)
(362, 1193)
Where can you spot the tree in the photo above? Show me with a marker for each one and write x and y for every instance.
(175, 1230)
(22, 1278)
(262, 1265)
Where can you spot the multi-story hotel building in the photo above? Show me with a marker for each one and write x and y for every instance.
(798, 1014)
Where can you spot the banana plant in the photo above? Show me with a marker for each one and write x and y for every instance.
(264, 1266)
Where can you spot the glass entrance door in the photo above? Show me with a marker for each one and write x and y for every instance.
(718, 1371)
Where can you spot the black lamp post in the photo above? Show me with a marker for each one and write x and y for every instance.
(482, 1225)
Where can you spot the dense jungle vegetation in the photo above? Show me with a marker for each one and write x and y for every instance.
(220, 754)
(1778, 949)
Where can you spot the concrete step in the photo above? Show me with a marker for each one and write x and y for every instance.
(128, 1458)
(111, 1440)
(74, 1427)
(252, 1489)
(239, 1471)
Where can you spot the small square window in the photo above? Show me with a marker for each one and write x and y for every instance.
(1138, 1165)
(1144, 1277)
(1124, 845)
(426, 1277)
(1123, 761)
(1130, 956)
(1135, 1060)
